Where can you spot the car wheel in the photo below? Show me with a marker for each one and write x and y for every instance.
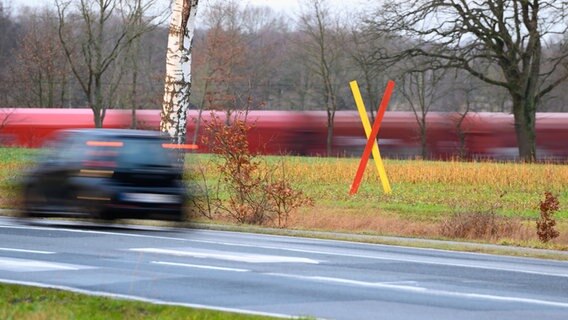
(34, 201)
(105, 215)
(94, 210)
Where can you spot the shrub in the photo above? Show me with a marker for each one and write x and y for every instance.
(256, 193)
(481, 224)
(546, 223)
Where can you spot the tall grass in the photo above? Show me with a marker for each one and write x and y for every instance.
(425, 193)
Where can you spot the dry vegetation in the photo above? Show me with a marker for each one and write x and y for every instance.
(485, 201)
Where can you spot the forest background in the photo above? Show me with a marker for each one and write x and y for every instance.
(244, 57)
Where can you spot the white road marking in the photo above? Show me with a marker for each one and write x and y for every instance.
(478, 266)
(26, 251)
(129, 235)
(422, 290)
(198, 266)
(382, 285)
(229, 256)
(143, 299)
(560, 273)
(25, 265)
(472, 264)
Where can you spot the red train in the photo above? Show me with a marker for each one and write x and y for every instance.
(484, 135)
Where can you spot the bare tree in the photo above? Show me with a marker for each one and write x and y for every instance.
(265, 34)
(177, 88)
(93, 34)
(361, 49)
(8, 41)
(221, 50)
(39, 70)
(131, 65)
(472, 36)
(467, 89)
(421, 90)
(324, 51)
(226, 52)
(6, 115)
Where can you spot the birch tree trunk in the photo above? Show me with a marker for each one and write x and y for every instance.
(177, 87)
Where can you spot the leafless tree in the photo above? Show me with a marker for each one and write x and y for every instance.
(8, 42)
(226, 52)
(131, 65)
(361, 49)
(466, 89)
(39, 72)
(472, 36)
(222, 50)
(5, 115)
(93, 34)
(323, 51)
(421, 91)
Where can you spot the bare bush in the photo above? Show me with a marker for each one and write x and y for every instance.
(480, 225)
(546, 223)
(254, 192)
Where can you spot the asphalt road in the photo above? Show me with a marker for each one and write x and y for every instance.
(281, 276)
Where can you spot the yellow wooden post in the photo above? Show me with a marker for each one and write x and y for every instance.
(367, 126)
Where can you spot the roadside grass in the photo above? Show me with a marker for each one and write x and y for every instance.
(31, 303)
(426, 194)
(432, 189)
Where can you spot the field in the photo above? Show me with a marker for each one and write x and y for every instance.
(481, 201)
(427, 196)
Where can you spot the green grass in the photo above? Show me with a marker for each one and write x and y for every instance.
(17, 154)
(425, 193)
(22, 302)
(421, 189)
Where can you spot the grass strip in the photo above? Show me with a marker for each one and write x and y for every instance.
(426, 194)
(20, 302)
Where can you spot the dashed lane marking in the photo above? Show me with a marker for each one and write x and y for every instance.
(198, 266)
(26, 251)
(26, 265)
(228, 256)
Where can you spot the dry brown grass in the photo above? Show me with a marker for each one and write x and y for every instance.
(526, 177)
(484, 227)
(484, 201)
(499, 175)
(355, 220)
(426, 194)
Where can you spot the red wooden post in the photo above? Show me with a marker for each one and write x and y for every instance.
(372, 138)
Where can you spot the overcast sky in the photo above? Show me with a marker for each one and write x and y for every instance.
(287, 6)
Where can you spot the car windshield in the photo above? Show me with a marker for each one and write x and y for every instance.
(144, 152)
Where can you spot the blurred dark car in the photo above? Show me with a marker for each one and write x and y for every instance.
(106, 174)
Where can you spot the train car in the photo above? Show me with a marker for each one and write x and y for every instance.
(480, 135)
(30, 127)
(270, 132)
(552, 137)
(492, 136)
(399, 136)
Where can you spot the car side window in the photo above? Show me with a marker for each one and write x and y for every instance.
(68, 149)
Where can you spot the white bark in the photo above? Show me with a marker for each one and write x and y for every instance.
(177, 87)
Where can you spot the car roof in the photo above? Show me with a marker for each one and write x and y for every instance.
(115, 133)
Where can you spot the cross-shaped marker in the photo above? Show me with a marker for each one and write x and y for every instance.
(371, 139)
